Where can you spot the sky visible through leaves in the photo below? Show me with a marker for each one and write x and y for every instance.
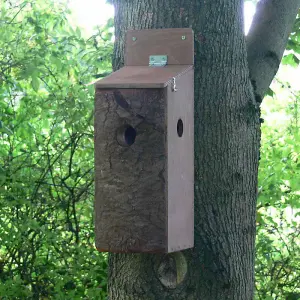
(90, 13)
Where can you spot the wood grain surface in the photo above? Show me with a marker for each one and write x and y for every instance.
(131, 207)
(142, 77)
(176, 43)
(144, 182)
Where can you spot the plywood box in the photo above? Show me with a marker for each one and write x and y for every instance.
(144, 146)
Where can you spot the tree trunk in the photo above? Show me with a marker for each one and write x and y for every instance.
(227, 139)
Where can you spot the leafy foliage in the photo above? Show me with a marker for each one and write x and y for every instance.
(294, 40)
(292, 56)
(46, 154)
(278, 217)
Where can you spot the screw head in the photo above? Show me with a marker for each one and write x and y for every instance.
(134, 38)
(183, 37)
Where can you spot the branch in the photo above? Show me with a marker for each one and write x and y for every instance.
(267, 40)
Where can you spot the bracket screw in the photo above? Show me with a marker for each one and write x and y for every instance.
(134, 38)
(183, 37)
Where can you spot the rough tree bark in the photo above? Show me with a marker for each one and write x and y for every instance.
(229, 84)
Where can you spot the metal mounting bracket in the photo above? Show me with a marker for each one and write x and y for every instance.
(158, 60)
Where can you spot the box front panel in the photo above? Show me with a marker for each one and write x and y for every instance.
(130, 160)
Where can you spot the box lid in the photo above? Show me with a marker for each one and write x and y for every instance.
(142, 77)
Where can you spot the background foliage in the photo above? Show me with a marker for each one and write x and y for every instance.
(278, 215)
(46, 153)
(46, 161)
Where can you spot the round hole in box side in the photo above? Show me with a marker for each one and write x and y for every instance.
(126, 135)
(180, 128)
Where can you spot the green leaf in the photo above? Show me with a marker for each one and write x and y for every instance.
(2, 175)
(45, 123)
(6, 130)
(270, 92)
(291, 59)
(57, 62)
(35, 83)
(78, 32)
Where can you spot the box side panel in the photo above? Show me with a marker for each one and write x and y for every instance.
(180, 144)
(130, 203)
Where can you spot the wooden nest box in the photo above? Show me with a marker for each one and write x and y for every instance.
(144, 146)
